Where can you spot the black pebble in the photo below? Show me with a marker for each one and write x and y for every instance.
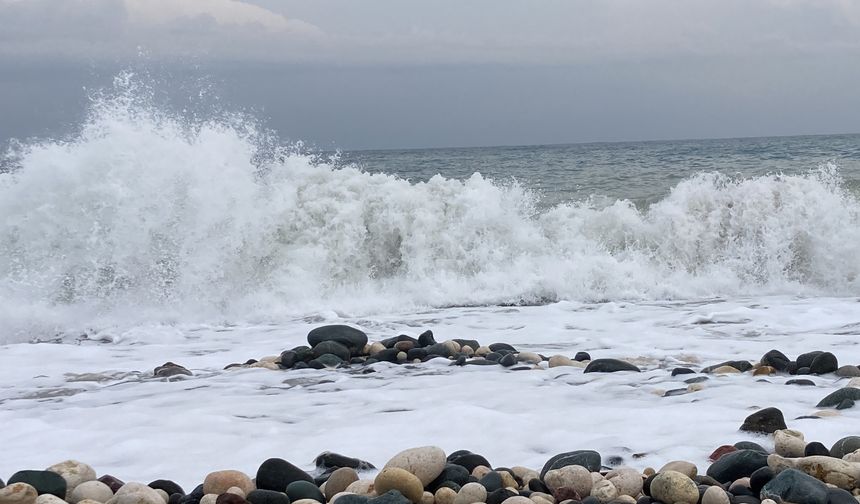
(389, 497)
(499, 495)
(426, 338)
(582, 356)
(824, 363)
(452, 473)
(168, 486)
(468, 460)
(508, 360)
(495, 347)
(331, 460)
(175, 498)
(275, 474)
(801, 382)
(492, 481)
(536, 485)
(609, 366)
(193, 497)
(267, 497)
(759, 479)
(45, 482)
(298, 490)
(765, 421)
(815, 448)
(805, 360)
(838, 396)
(682, 370)
(776, 360)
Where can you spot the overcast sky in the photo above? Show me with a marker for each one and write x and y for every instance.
(397, 73)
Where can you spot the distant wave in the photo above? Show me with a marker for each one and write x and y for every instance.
(146, 216)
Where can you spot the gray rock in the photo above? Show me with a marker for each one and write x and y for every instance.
(610, 366)
(764, 421)
(838, 396)
(738, 464)
(792, 485)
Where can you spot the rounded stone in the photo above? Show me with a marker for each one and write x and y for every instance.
(136, 493)
(425, 462)
(610, 366)
(672, 486)
(74, 472)
(589, 459)
(445, 495)
(789, 443)
(362, 487)
(627, 481)
(573, 476)
(113, 482)
(299, 490)
(170, 487)
(792, 485)
(688, 469)
(764, 421)
(823, 363)
(395, 478)
(827, 469)
(18, 493)
(276, 473)
(559, 361)
(94, 490)
(209, 499)
(471, 492)
(715, 495)
(45, 482)
(845, 446)
(605, 491)
(350, 337)
(230, 498)
(339, 480)
(267, 497)
(51, 499)
(517, 499)
(219, 482)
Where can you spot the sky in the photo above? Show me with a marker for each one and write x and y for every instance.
(364, 74)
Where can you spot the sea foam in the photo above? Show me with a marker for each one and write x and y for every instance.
(150, 216)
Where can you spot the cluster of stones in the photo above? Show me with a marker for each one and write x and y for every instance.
(744, 473)
(775, 363)
(341, 346)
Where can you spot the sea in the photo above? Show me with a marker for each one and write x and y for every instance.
(146, 235)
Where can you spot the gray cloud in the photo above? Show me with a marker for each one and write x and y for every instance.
(444, 31)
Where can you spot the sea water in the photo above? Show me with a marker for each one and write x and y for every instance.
(148, 235)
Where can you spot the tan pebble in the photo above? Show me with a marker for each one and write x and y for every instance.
(827, 413)
(768, 501)
(789, 443)
(395, 478)
(362, 487)
(543, 496)
(18, 493)
(529, 357)
(517, 499)
(624, 499)
(425, 462)
(508, 480)
(843, 474)
(236, 491)
(53, 499)
(452, 346)
(852, 457)
(649, 471)
(93, 490)
(337, 496)
(137, 493)
(480, 471)
(74, 472)
(471, 492)
(270, 358)
(85, 501)
(428, 498)
(573, 476)
(537, 499)
(307, 501)
(375, 348)
(596, 476)
(853, 382)
(676, 487)
(726, 370)
(695, 387)
(764, 370)
(339, 481)
(628, 481)
(605, 491)
(265, 365)
(659, 392)
(208, 499)
(469, 351)
(445, 495)
(525, 474)
(218, 482)
(482, 350)
(560, 361)
(688, 469)
(715, 495)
